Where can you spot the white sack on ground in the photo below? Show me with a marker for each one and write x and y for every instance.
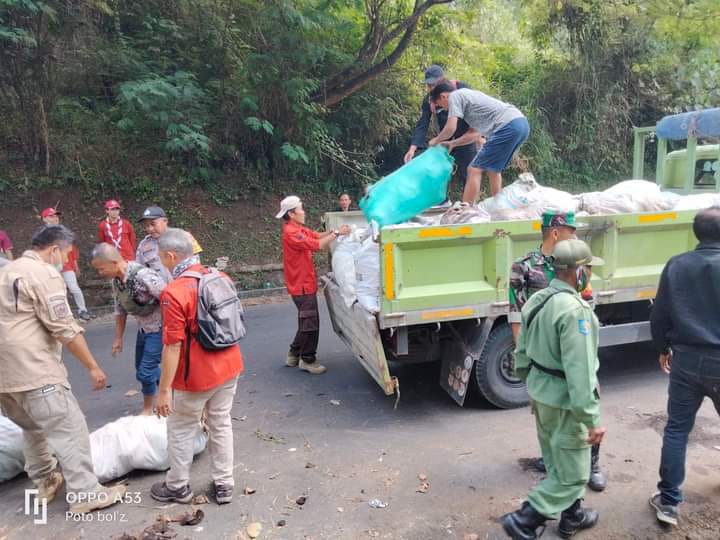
(343, 267)
(12, 459)
(367, 275)
(134, 442)
(697, 201)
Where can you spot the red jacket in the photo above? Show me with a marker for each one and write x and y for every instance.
(127, 237)
(208, 369)
(73, 256)
(299, 243)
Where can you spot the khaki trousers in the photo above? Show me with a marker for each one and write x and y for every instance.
(182, 426)
(53, 423)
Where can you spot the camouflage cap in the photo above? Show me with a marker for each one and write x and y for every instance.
(571, 253)
(559, 219)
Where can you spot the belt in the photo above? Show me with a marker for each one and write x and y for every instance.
(554, 372)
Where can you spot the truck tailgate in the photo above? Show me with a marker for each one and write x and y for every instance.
(359, 330)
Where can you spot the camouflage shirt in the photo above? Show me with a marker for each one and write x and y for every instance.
(528, 275)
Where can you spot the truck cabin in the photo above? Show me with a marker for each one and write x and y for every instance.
(692, 169)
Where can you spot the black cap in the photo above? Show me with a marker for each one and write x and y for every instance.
(153, 212)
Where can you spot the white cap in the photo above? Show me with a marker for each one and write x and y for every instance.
(287, 204)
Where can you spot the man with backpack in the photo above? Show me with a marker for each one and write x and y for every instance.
(136, 290)
(201, 362)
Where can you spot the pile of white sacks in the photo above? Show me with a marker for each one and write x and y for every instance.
(356, 258)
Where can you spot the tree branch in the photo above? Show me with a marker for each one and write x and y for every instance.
(356, 76)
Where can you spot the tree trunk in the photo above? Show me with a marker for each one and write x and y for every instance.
(353, 78)
(44, 133)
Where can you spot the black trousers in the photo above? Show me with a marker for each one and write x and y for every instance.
(306, 339)
(463, 157)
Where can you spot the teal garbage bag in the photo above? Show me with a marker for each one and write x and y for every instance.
(412, 189)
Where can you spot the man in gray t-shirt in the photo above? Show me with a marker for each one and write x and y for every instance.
(502, 124)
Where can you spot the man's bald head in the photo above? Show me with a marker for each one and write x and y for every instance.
(106, 252)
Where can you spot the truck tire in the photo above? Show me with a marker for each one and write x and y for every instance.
(492, 374)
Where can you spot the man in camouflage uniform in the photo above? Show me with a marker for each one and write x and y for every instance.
(533, 273)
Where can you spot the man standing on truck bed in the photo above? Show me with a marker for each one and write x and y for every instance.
(463, 154)
(502, 124)
(298, 244)
(685, 325)
(533, 273)
(556, 356)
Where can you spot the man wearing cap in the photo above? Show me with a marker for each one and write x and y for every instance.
(116, 231)
(71, 270)
(155, 223)
(533, 273)
(556, 356)
(464, 154)
(136, 290)
(298, 244)
(502, 124)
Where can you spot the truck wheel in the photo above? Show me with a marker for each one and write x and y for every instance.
(493, 374)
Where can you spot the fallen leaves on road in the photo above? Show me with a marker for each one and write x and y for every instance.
(239, 418)
(377, 503)
(269, 437)
(158, 531)
(131, 393)
(301, 500)
(335, 401)
(254, 529)
(281, 523)
(190, 518)
(200, 499)
(249, 491)
(424, 484)
(309, 465)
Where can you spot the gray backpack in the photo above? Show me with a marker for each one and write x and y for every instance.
(220, 315)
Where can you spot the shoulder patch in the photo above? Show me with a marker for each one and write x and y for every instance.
(584, 327)
(58, 307)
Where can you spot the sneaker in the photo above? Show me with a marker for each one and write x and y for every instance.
(104, 497)
(292, 360)
(314, 368)
(665, 513)
(223, 493)
(161, 492)
(50, 485)
(85, 316)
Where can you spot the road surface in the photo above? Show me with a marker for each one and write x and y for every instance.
(336, 440)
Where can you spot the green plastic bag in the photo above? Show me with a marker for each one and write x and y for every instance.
(412, 189)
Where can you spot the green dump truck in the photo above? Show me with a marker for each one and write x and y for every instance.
(444, 289)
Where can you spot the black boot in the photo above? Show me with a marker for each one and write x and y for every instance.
(597, 481)
(576, 518)
(522, 524)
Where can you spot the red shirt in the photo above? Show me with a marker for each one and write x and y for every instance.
(73, 256)
(127, 239)
(208, 369)
(299, 243)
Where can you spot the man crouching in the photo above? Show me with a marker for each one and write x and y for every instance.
(199, 378)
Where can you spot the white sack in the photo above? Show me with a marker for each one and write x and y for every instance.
(526, 199)
(134, 442)
(697, 201)
(343, 267)
(634, 188)
(367, 275)
(512, 196)
(12, 460)
(462, 212)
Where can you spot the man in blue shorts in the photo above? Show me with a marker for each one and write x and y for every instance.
(502, 124)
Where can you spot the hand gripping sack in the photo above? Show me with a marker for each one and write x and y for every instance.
(413, 188)
(220, 315)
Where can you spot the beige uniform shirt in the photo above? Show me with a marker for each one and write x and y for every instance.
(35, 320)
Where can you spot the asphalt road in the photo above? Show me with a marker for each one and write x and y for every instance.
(337, 440)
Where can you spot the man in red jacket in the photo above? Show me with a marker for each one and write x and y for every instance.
(197, 379)
(299, 243)
(117, 231)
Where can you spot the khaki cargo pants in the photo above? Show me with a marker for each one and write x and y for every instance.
(53, 423)
(182, 426)
(563, 442)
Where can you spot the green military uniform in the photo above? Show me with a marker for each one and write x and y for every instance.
(562, 337)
